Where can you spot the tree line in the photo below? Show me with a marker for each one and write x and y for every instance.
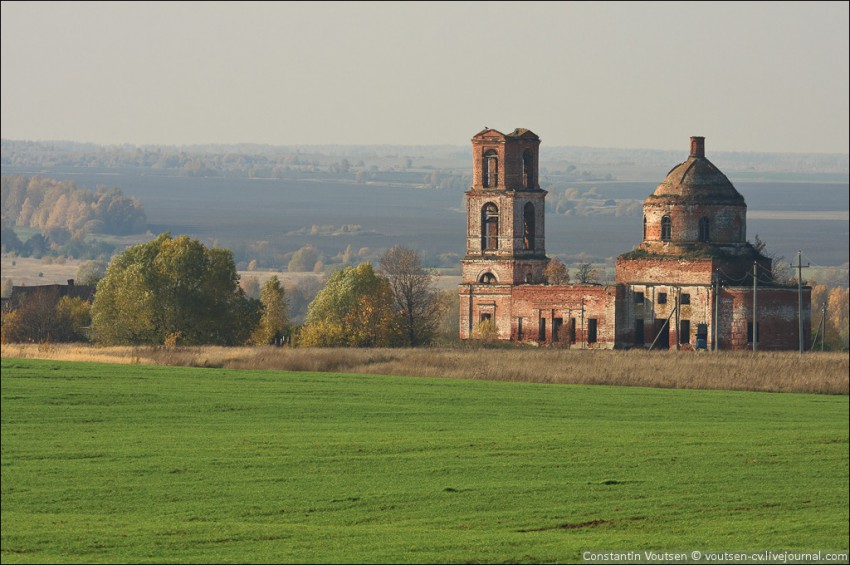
(44, 203)
(176, 291)
(357, 163)
(64, 215)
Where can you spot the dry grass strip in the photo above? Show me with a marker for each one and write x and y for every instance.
(824, 373)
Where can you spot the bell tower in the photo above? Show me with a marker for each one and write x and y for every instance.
(505, 241)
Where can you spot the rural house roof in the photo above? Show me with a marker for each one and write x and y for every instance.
(20, 293)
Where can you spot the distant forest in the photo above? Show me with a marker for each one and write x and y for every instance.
(64, 214)
(269, 161)
(270, 204)
(358, 164)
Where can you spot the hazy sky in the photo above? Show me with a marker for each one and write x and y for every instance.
(760, 76)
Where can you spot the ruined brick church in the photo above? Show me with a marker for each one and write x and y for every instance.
(693, 282)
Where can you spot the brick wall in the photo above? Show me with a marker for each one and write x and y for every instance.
(727, 225)
(669, 270)
(582, 303)
(650, 305)
(777, 318)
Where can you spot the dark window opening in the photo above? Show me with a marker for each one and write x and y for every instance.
(639, 335)
(662, 298)
(750, 332)
(490, 224)
(638, 298)
(557, 324)
(662, 334)
(684, 331)
(528, 226)
(490, 178)
(666, 229)
(484, 317)
(591, 330)
(703, 229)
(541, 331)
(519, 328)
(528, 169)
(685, 298)
(572, 330)
(487, 278)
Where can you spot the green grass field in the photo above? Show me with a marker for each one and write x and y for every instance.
(118, 463)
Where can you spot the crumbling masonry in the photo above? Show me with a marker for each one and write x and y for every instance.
(689, 284)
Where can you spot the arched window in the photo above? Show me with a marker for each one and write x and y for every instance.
(487, 278)
(703, 230)
(489, 227)
(528, 169)
(666, 229)
(490, 176)
(528, 226)
(644, 227)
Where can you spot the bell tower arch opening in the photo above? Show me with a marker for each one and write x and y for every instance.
(528, 232)
(490, 227)
(490, 172)
(528, 180)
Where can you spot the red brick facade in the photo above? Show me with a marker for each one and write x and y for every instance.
(687, 285)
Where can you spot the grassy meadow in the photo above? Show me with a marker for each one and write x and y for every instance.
(143, 463)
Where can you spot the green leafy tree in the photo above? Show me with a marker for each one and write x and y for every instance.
(354, 309)
(274, 320)
(73, 318)
(125, 303)
(172, 287)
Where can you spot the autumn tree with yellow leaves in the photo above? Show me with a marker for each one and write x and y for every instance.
(355, 309)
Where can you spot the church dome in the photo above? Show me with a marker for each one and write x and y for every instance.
(697, 180)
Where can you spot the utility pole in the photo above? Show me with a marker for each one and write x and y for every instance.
(678, 320)
(755, 306)
(716, 309)
(583, 334)
(800, 298)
